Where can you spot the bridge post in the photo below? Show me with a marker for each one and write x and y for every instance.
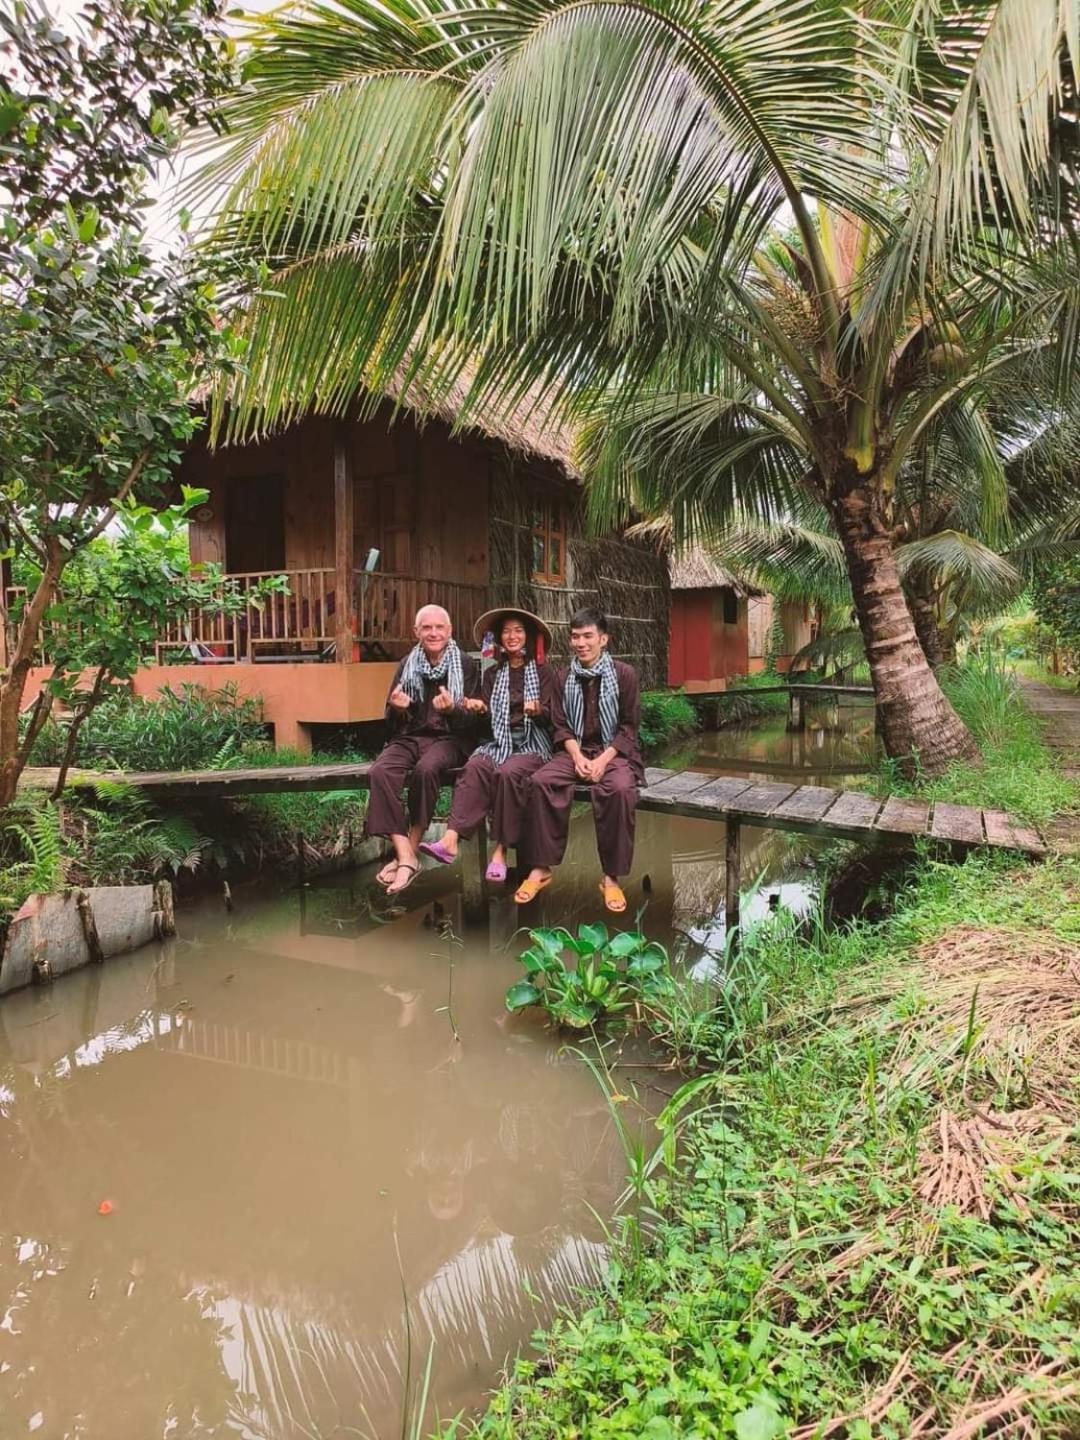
(796, 712)
(732, 848)
(474, 859)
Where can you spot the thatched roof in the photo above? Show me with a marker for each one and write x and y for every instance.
(526, 425)
(697, 570)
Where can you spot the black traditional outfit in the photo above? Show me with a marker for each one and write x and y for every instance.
(495, 782)
(598, 707)
(425, 743)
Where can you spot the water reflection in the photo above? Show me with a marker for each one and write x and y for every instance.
(273, 1117)
(838, 747)
(287, 1131)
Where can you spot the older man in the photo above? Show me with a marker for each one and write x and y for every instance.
(431, 733)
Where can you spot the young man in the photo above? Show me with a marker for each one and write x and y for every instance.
(596, 712)
(431, 732)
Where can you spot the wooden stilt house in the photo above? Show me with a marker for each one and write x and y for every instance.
(370, 518)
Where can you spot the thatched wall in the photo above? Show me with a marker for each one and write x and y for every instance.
(627, 581)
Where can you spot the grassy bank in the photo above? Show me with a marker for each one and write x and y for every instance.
(861, 1218)
(872, 1224)
(1017, 772)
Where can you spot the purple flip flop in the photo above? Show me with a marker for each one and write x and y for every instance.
(495, 872)
(437, 852)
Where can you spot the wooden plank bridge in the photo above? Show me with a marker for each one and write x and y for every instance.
(701, 795)
(798, 696)
(734, 800)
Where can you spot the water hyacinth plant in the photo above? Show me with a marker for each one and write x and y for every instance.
(579, 979)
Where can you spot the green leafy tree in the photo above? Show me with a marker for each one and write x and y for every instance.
(1056, 597)
(101, 339)
(806, 227)
(118, 597)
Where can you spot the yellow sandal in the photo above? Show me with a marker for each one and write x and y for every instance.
(528, 890)
(614, 899)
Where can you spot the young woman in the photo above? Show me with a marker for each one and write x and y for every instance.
(516, 696)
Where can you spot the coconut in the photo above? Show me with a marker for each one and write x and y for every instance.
(946, 358)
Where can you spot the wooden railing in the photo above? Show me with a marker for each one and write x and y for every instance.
(301, 620)
(304, 622)
(386, 606)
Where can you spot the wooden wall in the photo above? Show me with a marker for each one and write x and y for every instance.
(303, 455)
(628, 582)
(421, 497)
(797, 627)
(704, 648)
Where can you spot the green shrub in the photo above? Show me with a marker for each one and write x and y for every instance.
(32, 852)
(189, 729)
(665, 715)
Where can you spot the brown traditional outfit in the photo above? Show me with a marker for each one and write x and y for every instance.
(502, 790)
(425, 744)
(614, 796)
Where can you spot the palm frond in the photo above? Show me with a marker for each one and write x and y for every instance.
(977, 576)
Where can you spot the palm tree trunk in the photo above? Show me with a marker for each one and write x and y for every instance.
(919, 727)
(926, 627)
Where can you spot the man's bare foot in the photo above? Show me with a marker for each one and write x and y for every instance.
(406, 872)
(387, 873)
(537, 879)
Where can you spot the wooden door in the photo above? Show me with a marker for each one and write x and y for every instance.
(254, 524)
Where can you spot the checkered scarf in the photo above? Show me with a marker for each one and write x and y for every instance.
(574, 700)
(418, 668)
(536, 741)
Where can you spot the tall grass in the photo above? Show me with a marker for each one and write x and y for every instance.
(1017, 772)
(821, 1260)
(186, 729)
(666, 715)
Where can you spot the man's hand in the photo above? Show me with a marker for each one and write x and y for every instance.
(532, 708)
(474, 706)
(600, 764)
(584, 768)
(443, 700)
(400, 699)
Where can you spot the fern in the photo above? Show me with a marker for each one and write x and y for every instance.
(131, 839)
(42, 843)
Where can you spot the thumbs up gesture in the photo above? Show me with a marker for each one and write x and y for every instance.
(443, 700)
(400, 699)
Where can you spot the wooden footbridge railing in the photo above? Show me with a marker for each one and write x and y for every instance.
(733, 800)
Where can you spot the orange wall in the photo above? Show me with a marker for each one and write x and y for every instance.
(293, 696)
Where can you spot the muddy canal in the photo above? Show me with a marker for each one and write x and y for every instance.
(284, 1132)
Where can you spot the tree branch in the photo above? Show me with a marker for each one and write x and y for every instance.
(121, 495)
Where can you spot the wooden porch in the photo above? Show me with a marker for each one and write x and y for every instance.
(307, 624)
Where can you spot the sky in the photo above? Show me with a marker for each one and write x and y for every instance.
(162, 223)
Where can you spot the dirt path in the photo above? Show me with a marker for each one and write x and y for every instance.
(1058, 711)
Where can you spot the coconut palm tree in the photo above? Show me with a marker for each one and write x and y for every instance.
(958, 554)
(825, 220)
